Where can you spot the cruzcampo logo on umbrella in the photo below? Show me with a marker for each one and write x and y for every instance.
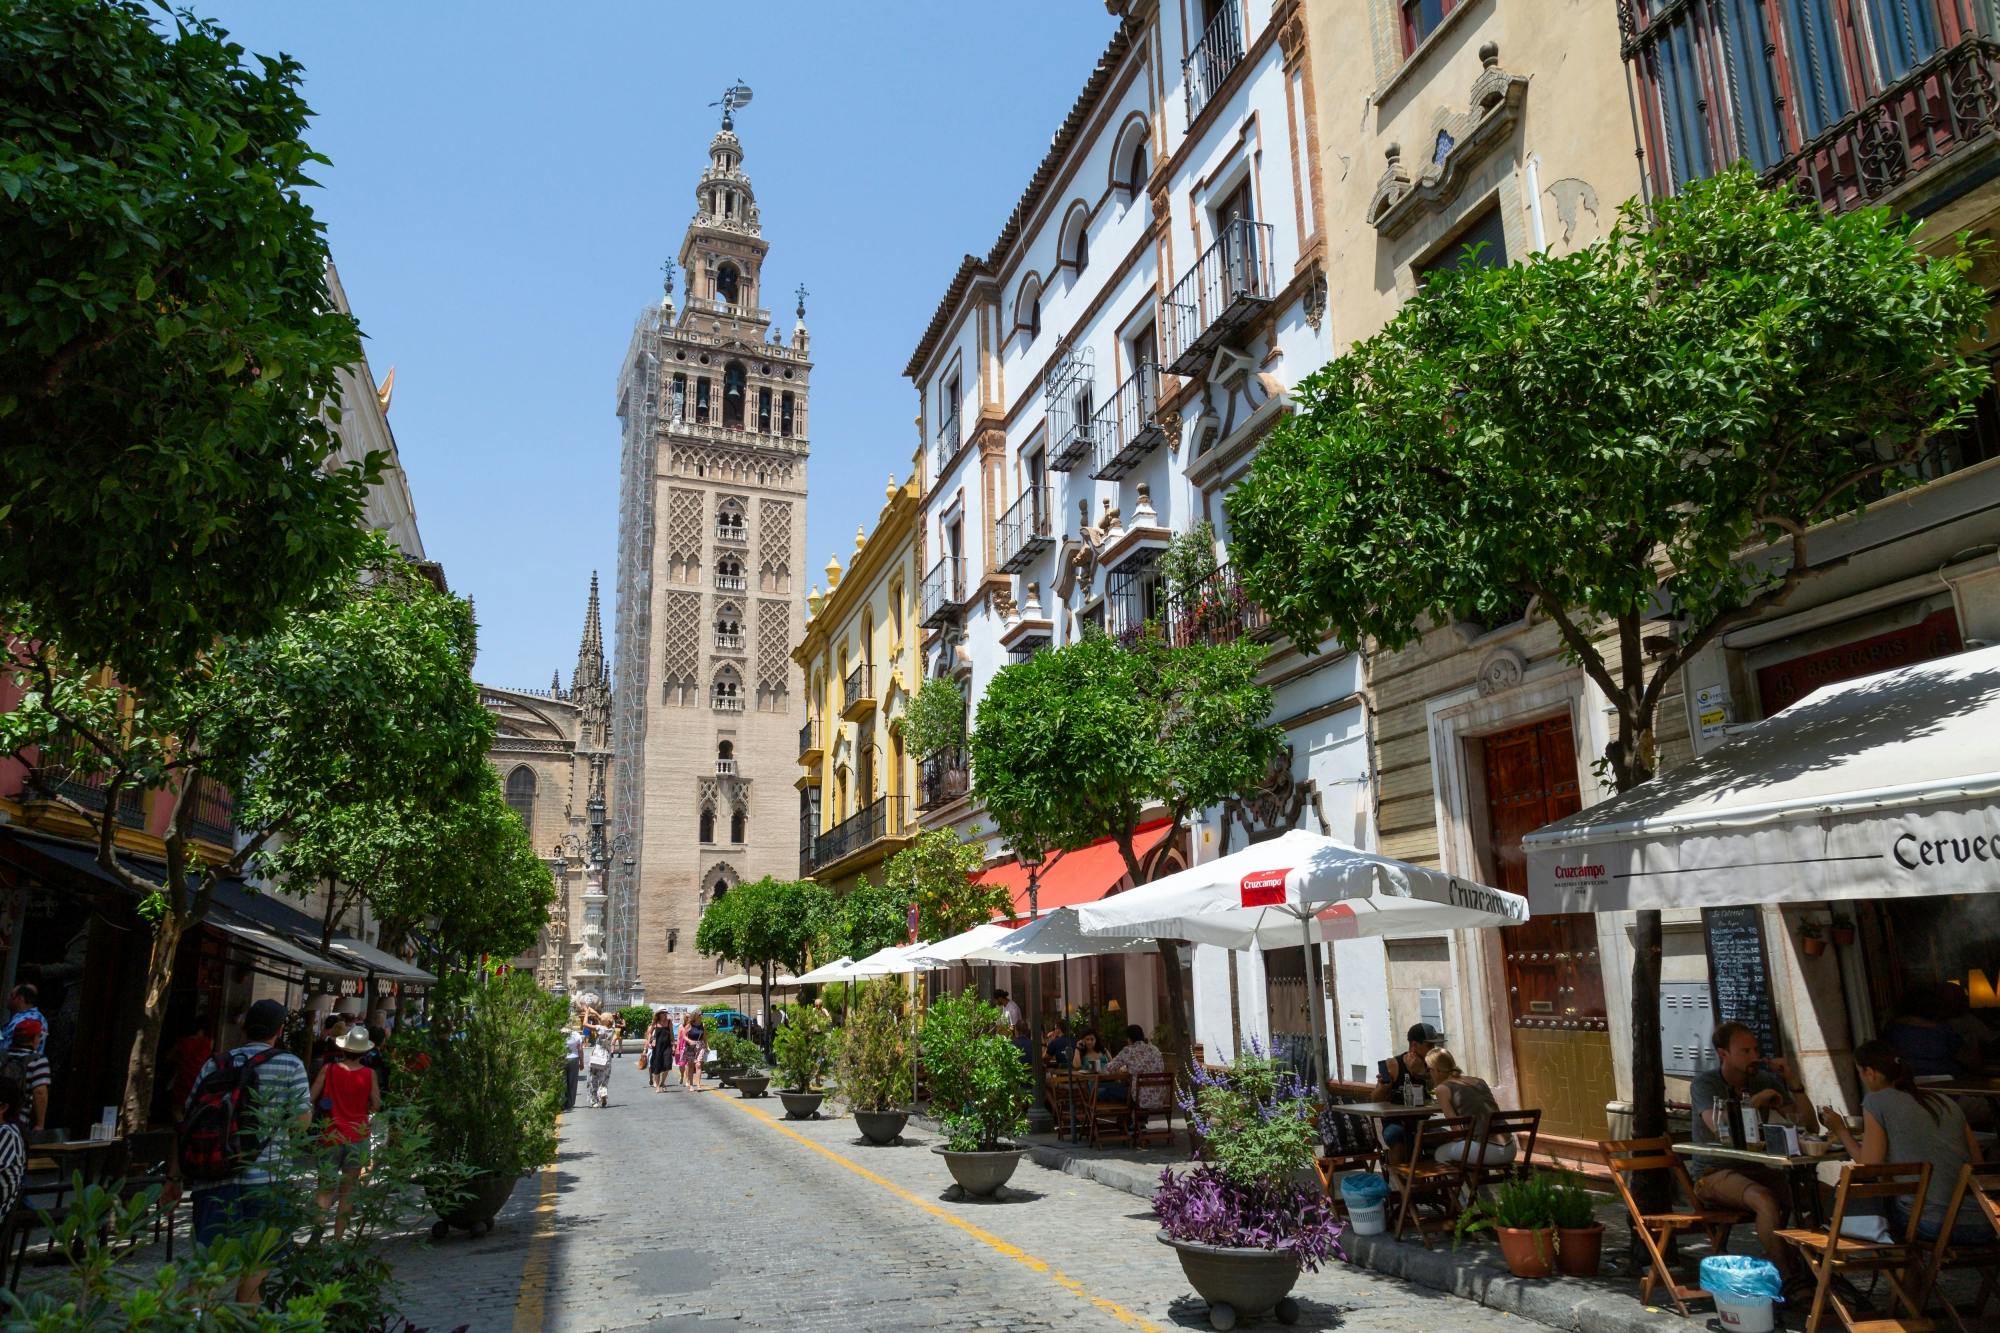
(1264, 888)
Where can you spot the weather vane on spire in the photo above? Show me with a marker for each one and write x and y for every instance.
(803, 294)
(667, 272)
(736, 95)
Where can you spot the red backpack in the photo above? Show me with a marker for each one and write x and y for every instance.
(215, 1143)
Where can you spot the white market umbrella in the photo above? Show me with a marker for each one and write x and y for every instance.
(894, 961)
(962, 947)
(1053, 938)
(740, 981)
(1300, 887)
(840, 969)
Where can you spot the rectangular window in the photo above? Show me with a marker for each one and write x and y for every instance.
(1484, 233)
(1420, 20)
(701, 399)
(1430, 1009)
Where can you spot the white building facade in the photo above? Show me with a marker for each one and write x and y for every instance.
(1092, 387)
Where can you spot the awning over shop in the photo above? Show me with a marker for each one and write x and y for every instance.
(1884, 786)
(262, 940)
(1069, 878)
(377, 962)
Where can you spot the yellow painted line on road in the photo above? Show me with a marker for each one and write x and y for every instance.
(984, 1237)
(531, 1303)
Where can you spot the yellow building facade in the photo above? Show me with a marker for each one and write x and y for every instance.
(861, 654)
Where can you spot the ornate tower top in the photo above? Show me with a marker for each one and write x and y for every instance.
(590, 652)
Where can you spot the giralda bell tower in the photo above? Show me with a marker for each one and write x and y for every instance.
(711, 545)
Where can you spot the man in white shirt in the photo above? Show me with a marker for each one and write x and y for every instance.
(1008, 1010)
(572, 1065)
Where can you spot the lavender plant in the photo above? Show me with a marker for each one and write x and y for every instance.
(1258, 1124)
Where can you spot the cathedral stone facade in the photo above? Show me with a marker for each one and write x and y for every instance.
(552, 751)
(711, 538)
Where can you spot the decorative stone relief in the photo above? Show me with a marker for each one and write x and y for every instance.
(773, 635)
(1274, 806)
(774, 542)
(680, 640)
(1454, 145)
(684, 527)
(1501, 670)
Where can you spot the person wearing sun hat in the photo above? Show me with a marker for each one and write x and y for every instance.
(351, 1095)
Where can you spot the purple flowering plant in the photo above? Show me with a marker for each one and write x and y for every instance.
(1253, 1185)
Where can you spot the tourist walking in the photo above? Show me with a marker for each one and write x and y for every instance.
(599, 1061)
(348, 1095)
(693, 1050)
(572, 1065)
(659, 1050)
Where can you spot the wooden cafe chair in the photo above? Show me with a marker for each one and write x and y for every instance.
(1626, 1158)
(1900, 1262)
(1977, 1190)
(1421, 1179)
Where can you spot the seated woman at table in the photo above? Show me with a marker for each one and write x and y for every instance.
(1088, 1058)
(1902, 1121)
(1459, 1093)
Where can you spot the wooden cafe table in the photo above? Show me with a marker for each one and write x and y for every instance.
(1802, 1171)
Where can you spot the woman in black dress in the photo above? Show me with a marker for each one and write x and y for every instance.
(659, 1050)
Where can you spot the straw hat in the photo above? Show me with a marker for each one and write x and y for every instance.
(354, 1041)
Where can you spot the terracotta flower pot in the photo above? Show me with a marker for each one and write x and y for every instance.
(1812, 946)
(1528, 1253)
(1579, 1249)
(1843, 935)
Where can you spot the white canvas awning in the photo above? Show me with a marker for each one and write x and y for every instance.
(895, 961)
(1054, 937)
(961, 946)
(840, 969)
(1886, 786)
(740, 981)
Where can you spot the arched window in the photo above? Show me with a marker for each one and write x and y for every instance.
(1028, 307)
(1082, 250)
(521, 793)
(785, 413)
(726, 279)
(1142, 166)
(729, 523)
(728, 629)
(733, 382)
(739, 825)
(721, 890)
(725, 757)
(708, 823)
(764, 411)
(729, 574)
(1132, 156)
(701, 398)
(727, 692)
(1075, 248)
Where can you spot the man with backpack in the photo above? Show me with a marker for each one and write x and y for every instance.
(228, 1142)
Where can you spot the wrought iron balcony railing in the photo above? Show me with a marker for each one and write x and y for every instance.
(858, 694)
(1847, 110)
(63, 769)
(214, 816)
(1126, 430)
(809, 744)
(946, 448)
(1209, 64)
(808, 842)
(1023, 531)
(1229, 283)
(943, 778)
(880, 818)
(943, 590)
(1073, 432)
(1215, 610)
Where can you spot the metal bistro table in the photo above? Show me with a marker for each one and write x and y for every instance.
(1386, 1113)
(1802, 1170)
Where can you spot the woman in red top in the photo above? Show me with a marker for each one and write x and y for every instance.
(347, 1095)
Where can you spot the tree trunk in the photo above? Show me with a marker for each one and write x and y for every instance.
(145, 1044)
(1633, 759)
(1181, 1057)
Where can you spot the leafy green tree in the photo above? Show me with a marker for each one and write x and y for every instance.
(1080, 743)
(169, 368)
(934, 723)
(769, 923)
(1637, 438)
(297, 722)
(935, 872)
(872, 917)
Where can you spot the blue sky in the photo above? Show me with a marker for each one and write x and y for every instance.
(506, 180)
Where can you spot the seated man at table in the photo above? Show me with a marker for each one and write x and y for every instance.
(1743, 1076)
(1400, 1072)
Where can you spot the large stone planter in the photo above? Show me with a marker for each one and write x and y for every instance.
(981, 1174)
(800, 1104)
(476, 1208)
(1239, 1283)
(726, 1075)
(752, 1085)
(882, 1127)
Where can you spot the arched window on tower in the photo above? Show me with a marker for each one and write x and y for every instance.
(785, 414)
(764, 411)
(728, 629)
(701, 387)
(720, 891)
(521, 793)
(727, 280)
(733, 382)
(708, 823)
(725, 758)
(739, 825)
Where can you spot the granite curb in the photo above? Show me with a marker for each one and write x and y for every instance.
(1478, 1275)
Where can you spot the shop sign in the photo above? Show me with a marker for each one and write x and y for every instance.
(1713, 711)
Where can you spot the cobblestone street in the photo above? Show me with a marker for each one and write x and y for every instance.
(704, 1211)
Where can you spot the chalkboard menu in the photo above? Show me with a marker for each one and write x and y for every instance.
(1739, 973)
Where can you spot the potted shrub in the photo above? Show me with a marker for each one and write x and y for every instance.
(1579, 1235)
(738, 1063)
(1812, 940)
(1842, 931)
(490, 1088)
(804, 1046)
(979, 1089)
(874, 1062)
(1522, 1215)
(1250, 1217)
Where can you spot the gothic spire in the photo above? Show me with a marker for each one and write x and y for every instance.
(590, 652)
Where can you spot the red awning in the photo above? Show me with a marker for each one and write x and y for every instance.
(1069, 878)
